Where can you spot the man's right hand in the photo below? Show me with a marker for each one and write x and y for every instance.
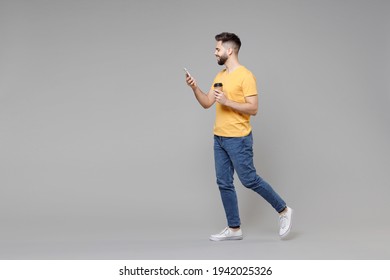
(206, 100)
(191, 82)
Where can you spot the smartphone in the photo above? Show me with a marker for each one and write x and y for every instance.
(188, 73)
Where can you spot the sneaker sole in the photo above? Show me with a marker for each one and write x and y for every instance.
(289, 229)
(226, 238)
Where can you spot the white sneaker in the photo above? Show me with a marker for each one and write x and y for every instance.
(285, 223)
(227, 234)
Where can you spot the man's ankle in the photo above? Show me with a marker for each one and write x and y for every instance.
(283, 211)
(235, 228)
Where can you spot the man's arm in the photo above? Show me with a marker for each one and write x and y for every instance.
(249, 107)
(206, 100)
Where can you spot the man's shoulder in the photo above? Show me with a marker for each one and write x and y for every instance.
(246, 74)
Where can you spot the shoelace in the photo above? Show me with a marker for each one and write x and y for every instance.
(224, 231)
(282, 221)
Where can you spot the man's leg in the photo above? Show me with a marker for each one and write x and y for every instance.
(224, 173)
(241, 153)
(242, 157)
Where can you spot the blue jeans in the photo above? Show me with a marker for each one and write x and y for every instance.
(236, 153)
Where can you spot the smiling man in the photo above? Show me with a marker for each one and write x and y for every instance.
(236, 102)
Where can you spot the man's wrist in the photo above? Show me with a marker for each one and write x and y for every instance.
(228, 102)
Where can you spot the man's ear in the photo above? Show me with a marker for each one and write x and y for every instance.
(230, 51)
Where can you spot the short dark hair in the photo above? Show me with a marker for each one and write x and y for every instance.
(226, 37)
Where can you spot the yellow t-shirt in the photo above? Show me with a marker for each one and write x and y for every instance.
(237, 85)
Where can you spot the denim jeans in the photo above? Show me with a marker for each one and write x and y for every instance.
(236, 154)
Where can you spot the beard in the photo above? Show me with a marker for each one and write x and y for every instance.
(222, 59)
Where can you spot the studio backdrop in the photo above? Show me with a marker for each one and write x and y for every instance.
(100, 133)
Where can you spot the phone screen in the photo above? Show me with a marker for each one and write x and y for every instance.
(188, 73)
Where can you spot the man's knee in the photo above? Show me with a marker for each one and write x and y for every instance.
(224, 184)
(251, 182)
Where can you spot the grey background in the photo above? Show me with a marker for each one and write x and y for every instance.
(105, 154)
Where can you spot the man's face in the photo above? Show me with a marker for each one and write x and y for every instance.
(221, 53)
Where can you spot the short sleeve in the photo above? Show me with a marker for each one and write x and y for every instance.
(249, 85)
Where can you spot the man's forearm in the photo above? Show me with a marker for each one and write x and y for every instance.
(202, 98)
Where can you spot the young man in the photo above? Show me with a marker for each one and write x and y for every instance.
(235, 103)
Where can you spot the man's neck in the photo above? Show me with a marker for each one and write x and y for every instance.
(232, 65)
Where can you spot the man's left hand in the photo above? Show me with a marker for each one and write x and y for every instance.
(220, 97)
